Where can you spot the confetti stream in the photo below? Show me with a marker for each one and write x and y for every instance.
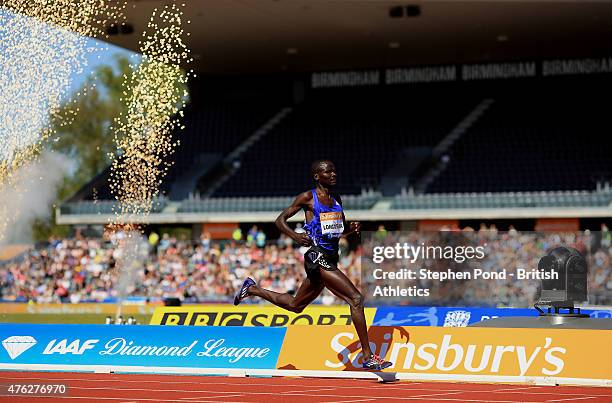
(43, 46)
(143, 135)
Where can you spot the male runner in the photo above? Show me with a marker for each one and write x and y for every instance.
(325, 224)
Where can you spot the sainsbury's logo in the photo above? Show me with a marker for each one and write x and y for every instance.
(448, 356)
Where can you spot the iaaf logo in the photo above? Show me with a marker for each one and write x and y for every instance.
(429, 355)
(74, 347)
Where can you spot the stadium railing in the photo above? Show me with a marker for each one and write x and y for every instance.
(366, 201)
(104, 206)
(503, 200)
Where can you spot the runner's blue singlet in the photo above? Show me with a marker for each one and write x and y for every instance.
(326, 225)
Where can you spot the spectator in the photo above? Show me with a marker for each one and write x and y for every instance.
(260, 239)
(251, 235)
(381, 233)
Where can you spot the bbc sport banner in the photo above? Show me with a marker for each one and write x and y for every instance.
(143, 346)
(251, 315)
(456, 316)
(558, 353)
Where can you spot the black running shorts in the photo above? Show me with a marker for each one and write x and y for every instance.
(316, 258)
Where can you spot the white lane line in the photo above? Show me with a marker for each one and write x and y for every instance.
(252, 394)
(188, 382)
(319, 395)
(438, 394)
(347, 401)
(399, 398)
(511, 389)
(465, 400)
(156, 390)
(205, 400)
(564, 394)
(204, 397)
(573, 398)
(307, 391)
(223, 393)
(229, 383)
(84, 379)
(114, 398)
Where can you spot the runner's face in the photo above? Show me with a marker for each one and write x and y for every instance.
(327, 174)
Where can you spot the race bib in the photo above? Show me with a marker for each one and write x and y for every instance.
(331, 223)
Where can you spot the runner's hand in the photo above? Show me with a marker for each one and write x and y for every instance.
(303, 239)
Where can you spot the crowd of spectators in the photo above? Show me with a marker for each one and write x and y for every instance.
(205, 270)
(84, 269)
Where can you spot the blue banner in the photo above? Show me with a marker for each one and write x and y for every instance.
(139, 345)
(455, 316)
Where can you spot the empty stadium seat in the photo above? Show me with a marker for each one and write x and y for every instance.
(361, 132)
(546, 143)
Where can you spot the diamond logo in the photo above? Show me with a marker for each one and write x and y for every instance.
(17, 345)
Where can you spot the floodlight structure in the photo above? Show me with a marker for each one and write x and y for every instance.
(567, 283)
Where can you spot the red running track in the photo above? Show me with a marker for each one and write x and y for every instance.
(89, 387)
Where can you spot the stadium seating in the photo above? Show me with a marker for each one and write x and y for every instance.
(362, 132)
(215, 128)
(210, 129)
(536, 151)
(532, 144)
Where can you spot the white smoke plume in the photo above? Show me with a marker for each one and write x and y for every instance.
(131, 254)
(31, 196)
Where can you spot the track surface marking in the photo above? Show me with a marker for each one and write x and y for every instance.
(88, 387)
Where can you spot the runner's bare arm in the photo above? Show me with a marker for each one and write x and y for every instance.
(354, 227)
(302, 201)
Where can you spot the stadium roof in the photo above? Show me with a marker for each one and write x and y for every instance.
(237, 36)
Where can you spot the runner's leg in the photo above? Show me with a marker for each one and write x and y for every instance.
(309, 290)
(342, 287)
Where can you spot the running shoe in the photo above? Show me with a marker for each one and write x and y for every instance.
(375, 363)
(243, 293)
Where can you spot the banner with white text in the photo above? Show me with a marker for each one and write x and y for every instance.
(142, 346)
(567, 353)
